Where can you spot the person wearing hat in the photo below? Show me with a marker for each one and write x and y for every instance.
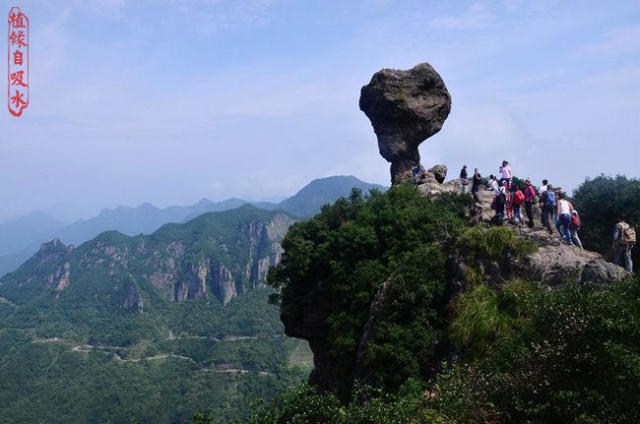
(529, 197)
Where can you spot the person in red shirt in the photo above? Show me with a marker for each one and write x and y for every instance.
(518, 199)
(574, 226)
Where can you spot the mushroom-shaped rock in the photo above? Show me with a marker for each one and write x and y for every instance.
(405, 108)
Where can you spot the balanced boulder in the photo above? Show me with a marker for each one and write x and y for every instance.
(405, 108)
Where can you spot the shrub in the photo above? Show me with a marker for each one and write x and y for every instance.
(575, 358)
(492, 243)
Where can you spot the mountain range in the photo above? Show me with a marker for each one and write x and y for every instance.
(21, 238)
(148, 327)
(152, 327)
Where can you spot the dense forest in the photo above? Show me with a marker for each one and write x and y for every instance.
(59, 377)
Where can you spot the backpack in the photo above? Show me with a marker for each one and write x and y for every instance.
(575, 221)
(627, 234)
(550, 199)
(518, 198)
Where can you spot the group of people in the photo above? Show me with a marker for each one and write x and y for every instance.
(554, 207)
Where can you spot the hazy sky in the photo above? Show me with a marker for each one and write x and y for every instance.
(170, 101)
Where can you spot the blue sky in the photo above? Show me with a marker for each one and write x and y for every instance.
(170, 101)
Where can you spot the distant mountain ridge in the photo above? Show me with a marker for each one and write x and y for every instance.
(26, 234)
(20, 233)
(218, 254)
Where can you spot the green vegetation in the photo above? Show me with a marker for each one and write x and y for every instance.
(575, 358)
(491, 351)
(307, 405)
(80, 355)
(347, 251)
(602, 202)
(570, 355)
(482, 316)
(153, 376)
(490, 244)
(451, 339)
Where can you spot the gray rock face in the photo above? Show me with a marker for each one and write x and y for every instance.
(556, 263)
(224, 284)
(405, 108)
(133, 300)
(439, 172)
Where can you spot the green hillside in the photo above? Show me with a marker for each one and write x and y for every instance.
(147, 327)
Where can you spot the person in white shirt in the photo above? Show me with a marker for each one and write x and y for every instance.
(543, 187)
(493, 183)
(505, 173)
(564, 217)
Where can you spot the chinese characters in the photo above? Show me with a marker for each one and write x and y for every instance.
(18, 41)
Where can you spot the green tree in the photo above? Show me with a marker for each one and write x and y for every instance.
(342, 256)
(602, 202)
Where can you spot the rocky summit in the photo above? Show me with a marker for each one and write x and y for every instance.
(405, 108)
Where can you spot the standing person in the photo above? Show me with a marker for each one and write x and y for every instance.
(557, 191)
(477, 182)
(543, 188)
(499, 202)
(624, 238)
(529, 198)
(464, 180)
(518, 198)
(564, 208)
(416, 172)
(508, 204)
(548, 201)
(493, 183)
(574, 227)
(506, 174)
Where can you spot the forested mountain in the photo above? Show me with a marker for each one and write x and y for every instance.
(151, 327)
(19, 239)
(308, 201)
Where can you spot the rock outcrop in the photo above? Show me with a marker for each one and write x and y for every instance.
(555, 263)
(132, 300)
(405, 108)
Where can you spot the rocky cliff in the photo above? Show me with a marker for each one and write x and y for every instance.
(216, 255)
